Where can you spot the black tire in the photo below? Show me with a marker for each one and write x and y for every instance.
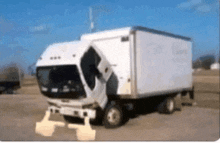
(10, 91)
(167, 106)
(113, 116)
(99, 117)
(191, 94)
(97, 121)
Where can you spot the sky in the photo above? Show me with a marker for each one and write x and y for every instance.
(27, 27)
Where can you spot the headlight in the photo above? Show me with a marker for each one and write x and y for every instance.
(53, 104)
(44, 89)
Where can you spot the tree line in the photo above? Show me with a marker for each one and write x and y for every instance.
(204, 62)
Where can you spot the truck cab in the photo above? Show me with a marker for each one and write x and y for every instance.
(73, 77)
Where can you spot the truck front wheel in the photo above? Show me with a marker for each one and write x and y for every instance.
(113, 116)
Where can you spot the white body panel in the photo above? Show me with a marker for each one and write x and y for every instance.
(118, 54)
(163, 63)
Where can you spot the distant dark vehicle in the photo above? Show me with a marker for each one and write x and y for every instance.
(10, 79)
(207, 61)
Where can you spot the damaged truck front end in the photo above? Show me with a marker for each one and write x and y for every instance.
(64, 89)
(60, 82)
(74, 83)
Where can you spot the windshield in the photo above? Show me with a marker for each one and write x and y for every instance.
(60, 81)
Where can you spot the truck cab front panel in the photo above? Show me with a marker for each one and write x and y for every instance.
(60, 82)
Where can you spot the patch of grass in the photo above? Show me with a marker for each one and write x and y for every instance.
(207, 100)
(206, 81)
(206, 73)
(206, 87)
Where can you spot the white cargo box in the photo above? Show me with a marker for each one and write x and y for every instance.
(146, 62)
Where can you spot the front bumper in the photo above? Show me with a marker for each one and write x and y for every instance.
(74, 112)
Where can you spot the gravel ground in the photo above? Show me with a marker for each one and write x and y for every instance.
(20, 112)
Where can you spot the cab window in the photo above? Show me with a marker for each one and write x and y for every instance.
(89, 64)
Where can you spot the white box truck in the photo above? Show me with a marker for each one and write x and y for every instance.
(104, 74)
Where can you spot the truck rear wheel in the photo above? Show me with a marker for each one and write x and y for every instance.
(167, 106)
(113, 116)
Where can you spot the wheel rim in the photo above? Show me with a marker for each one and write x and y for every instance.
(114, 116)
(170, 105)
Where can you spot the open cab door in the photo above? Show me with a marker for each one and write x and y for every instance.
(96, 71)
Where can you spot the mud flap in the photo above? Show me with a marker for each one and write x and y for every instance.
(192, 97)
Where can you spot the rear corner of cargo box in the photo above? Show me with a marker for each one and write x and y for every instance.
(163, 64)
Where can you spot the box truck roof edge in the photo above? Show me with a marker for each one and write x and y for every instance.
(135, 28)
(127, 30)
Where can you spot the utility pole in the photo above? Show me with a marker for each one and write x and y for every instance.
(93, 14)
(92, 29)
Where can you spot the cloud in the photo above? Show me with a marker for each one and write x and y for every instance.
(66, 12)
(204, 8)
(41, 29)
(195, 2)
(197, 5)
(189, 4)
(38, 28)
(184, 5)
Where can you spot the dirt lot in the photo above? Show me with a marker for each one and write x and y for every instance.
(20, 112)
